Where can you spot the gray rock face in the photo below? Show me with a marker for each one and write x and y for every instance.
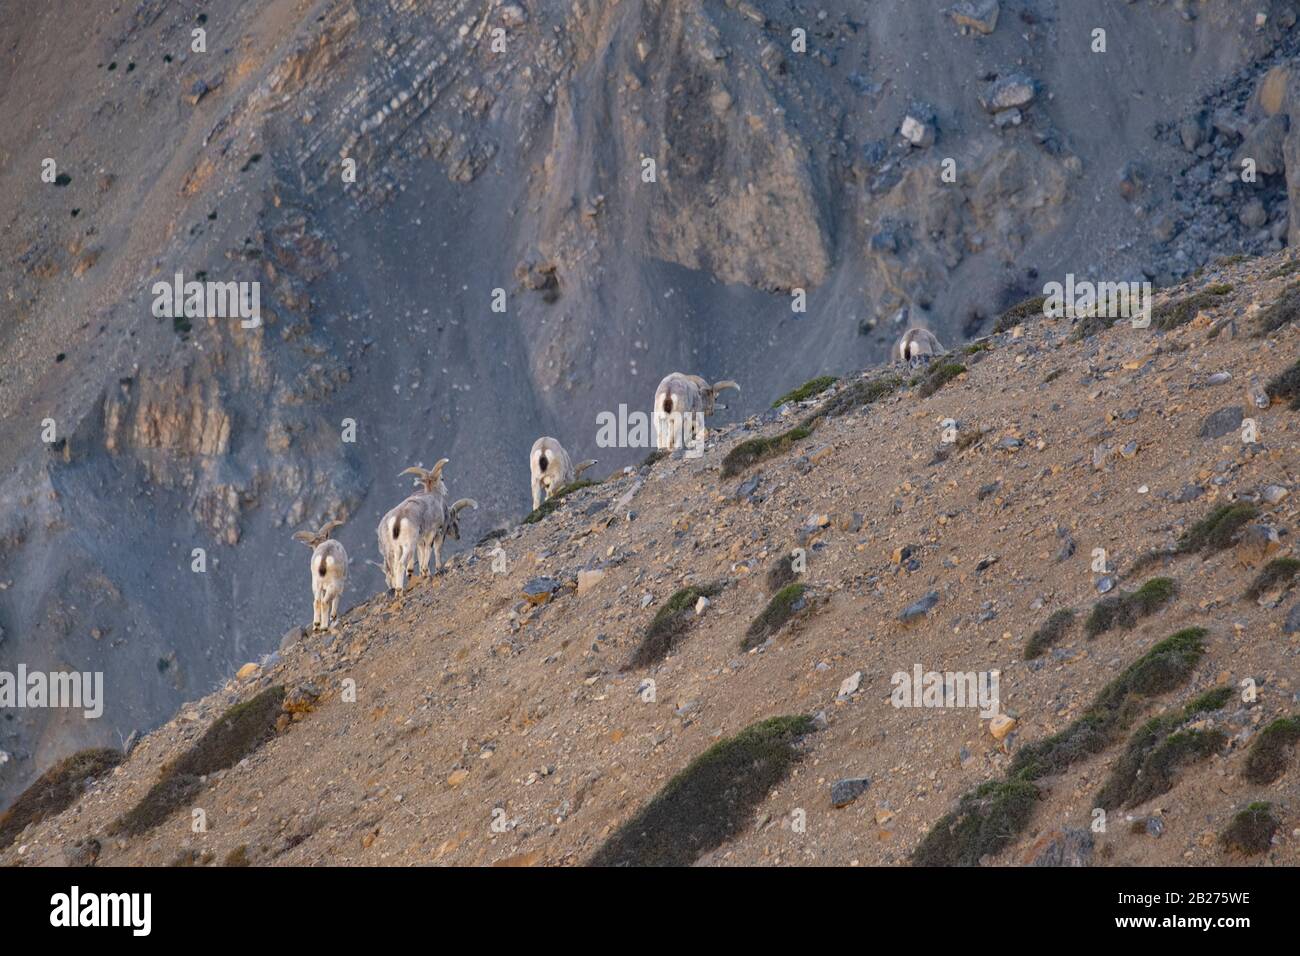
(920, 608)
(1015, 91)
(844, 792)
(1292, 623)
(1071, 846)
(980, 16)
(1220, 423)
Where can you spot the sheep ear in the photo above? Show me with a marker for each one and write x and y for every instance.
(436, 471)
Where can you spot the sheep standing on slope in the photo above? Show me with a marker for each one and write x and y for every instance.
(552, 469)
(917, 345)
(329, 573)
(418, 526)
(681, 404)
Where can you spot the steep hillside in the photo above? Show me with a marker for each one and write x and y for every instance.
(493, 715)
(504, 146)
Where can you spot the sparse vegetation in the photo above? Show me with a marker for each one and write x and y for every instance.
(1052, 630)
(860, 393)
(784, 604)
(807, 390)
(54, 791)
(553, 502)
(1164, 667)
(1284, 310)
(1147, 560)
(1270, 752)
(670, 624)
(238, 856)
(986, 820)
(1284, 270)
(1174, 314)
(1216, 530)
(974, 348)
(1020, 313)
(938, 376)
(1285, 387)
(711, 800)
(1251, 831)
(233, 736)
(1125, 610)
(1150, 765)
(751, 452)
(989, 817)
(653, 458)
(1276, 574)
(781, 573)
(1054, 374)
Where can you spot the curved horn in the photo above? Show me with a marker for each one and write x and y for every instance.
(418, 472)
(724, 384)
(463, 503)
(579, 468)
(436, 471)
(329, 526)
(306, 537)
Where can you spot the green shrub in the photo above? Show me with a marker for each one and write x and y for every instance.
(779, 610)
(54, 791)
(1251, 831)
(1282, 312)
(670, 625)
(1172, 315)
(751, 452)
(807, 390)
(860, 393)
(938, 376)
(1020, 312)
(1270, 751)
(1052, 630)
(1125, 610)
(781, 573)
(1276, 574)
(986, 820)
(553, 502)
(1286, 387)
(1216, 530)
(709, 802)
(232, 737)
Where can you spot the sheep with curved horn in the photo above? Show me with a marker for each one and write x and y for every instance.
(329, 574)
(682, 402)
(418, 526)
(551, 468)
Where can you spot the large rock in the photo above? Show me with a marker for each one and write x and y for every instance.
(1015, 91)
(978, 15)
(1223, 422)
(1265, 144)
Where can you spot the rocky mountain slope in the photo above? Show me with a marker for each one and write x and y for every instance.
(510, 712)
(503, 146)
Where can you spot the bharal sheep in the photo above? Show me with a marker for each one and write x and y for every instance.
(681, 404)
(552, 469)
(917, 344)
(418, 526)
(329, 573)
